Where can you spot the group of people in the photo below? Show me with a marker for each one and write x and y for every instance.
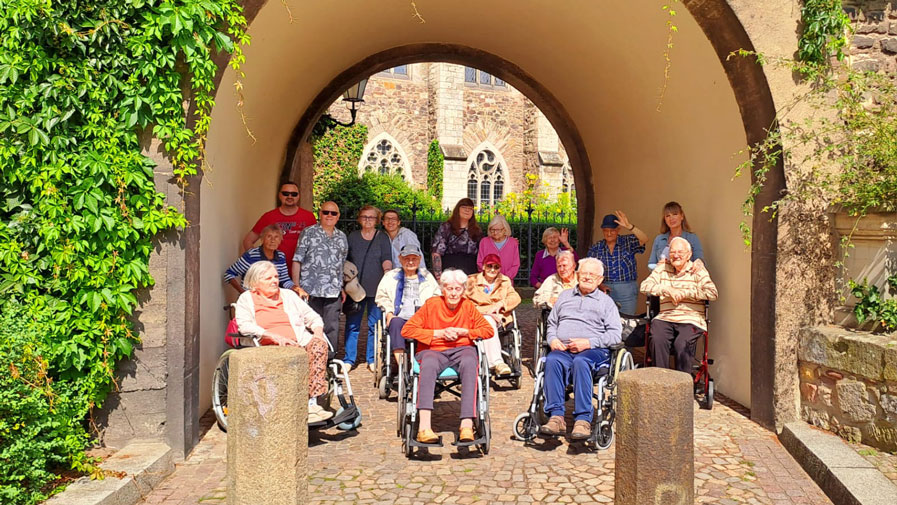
(304, 272)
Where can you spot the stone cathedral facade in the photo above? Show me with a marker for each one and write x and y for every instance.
(490, 134)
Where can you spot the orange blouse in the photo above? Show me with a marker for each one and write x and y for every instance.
(269, 314)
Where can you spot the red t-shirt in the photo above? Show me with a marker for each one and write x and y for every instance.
(292, 226)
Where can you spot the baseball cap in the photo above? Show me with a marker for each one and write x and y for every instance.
(492, 259)
(411, 250)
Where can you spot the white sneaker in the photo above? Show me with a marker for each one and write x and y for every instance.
(316, 413)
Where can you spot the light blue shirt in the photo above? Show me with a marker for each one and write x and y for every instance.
(593, 316)
(660, 249)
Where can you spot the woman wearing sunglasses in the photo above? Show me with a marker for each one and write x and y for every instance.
(494, 296)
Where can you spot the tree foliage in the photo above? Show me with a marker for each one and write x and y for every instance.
(382, 191)
(81, 83)
(824, 31)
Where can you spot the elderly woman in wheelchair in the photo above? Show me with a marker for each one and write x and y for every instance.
(401, 293)
(445, 329)
(584, 333)
(494, 295)
(277, 316)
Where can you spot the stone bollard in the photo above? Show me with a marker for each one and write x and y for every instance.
(267, 434)
(655, 461)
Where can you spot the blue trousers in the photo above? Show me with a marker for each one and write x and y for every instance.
(563, 366)
(353, 326)
(626, 294)
(396, 340)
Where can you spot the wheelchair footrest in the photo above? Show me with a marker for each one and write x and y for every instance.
(437, 443)
(476, 441)
(349, 414)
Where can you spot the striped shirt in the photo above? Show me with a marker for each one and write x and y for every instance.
(619, 265)
(242, 265)
(697, 287)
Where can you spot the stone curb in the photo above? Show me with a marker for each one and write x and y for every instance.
(144, 465)
(842, 474)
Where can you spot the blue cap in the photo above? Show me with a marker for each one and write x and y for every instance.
(610, 221)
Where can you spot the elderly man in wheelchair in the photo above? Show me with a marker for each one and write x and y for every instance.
(445, 330)
(583, 328)
(400, 293)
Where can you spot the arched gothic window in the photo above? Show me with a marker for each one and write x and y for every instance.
(486, 177)
(384, 156)
(567, 179)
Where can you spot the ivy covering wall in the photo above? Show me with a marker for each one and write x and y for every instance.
(80, 83)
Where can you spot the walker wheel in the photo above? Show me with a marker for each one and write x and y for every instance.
(383, 387)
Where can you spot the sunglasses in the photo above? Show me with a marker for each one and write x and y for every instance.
(330, 212)
(289, 193)
(492, 267)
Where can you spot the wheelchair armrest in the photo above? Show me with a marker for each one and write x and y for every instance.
(617, 347)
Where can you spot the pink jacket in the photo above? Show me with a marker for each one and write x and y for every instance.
(509, 254)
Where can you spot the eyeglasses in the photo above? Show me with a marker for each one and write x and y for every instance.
(290, 193)
(330, 212)
(492, 267)
(497, 228)
(588, 276)
(368, 218)
(390, 219)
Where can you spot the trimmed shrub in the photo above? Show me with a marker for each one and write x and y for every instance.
(383, 191)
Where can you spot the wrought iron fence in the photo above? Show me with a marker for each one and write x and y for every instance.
(527, 230)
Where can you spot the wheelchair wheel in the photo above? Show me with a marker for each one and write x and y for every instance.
(349, 425)
(219, 389)
(401, 398)
(383, 388)
(514, 360)
(708, 396)
(537, 348)
(378, 357)
(409, 432)
(525, 427)
(486, 427)
(605, 435)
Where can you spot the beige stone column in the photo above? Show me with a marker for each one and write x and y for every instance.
(267, 434)
(655, 460)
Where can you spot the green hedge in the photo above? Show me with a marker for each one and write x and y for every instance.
(383, 191)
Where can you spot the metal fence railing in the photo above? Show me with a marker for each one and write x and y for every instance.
(527, 230)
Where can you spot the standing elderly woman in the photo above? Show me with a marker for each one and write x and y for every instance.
(445, 329)
(279, 317)
(455, 242)
(371, 252)
(544, 265)
(674, 224)
(500, 243)
(494, 295)
(271, 237)
(565, 278)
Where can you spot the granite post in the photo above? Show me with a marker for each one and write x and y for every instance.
(655, 438)
(267, 434)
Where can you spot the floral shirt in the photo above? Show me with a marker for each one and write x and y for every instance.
(322, 257)
(446, 242)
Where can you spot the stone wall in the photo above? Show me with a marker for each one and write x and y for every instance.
(848, 384)
(874, 45)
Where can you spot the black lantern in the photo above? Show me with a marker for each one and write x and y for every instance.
(353, 95)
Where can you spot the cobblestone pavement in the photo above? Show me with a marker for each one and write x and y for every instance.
(736, 461)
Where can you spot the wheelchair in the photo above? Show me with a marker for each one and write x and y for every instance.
(407, 420)
(703, 383)
(510, 338)
(347, 415)
(527, 424)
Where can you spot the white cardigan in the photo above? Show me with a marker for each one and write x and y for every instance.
(302, 317)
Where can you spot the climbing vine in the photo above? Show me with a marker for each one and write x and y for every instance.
(824, 31)
(435, 168)
(84, 85)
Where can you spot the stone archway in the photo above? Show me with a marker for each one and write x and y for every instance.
(581, 56)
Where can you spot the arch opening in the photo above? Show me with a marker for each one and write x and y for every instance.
(599, 96)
